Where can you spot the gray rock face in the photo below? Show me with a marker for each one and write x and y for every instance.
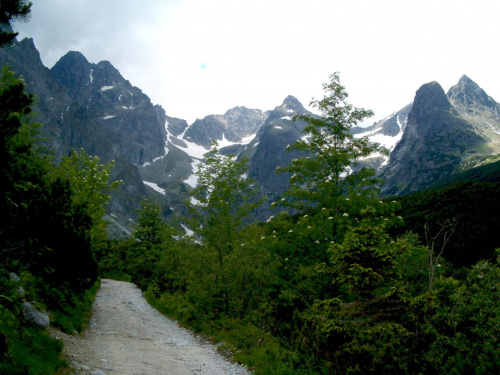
(243, 122)
(91, 106)
(433, 144)
(234, 125)
(468, 98)
(108, 117)
(35, 316)
(474, 105)
(390, 126)
(268, 151)
(176, 126)
(386, 132)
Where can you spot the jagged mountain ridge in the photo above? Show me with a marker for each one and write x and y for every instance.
(437, 142)
(465, 135)
(79, 105)
(386, 132)
(92, 106)
(235, 125)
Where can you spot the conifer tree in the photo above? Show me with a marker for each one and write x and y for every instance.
(12, 10)
(330, 148)
(321, 179)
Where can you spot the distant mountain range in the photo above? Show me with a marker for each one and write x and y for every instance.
(91, 106)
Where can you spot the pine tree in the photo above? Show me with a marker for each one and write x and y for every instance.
(12, 10)
(321, 179)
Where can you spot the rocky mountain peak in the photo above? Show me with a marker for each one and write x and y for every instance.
(74, 72)
(467, 97)
(429, 98)
(23, 52)
(434, 142)
(74, 60)
(107, 68)
(292, 103)
(465, 80)
(105, 76)
(467, 91)
(236, 124)
(244, 121)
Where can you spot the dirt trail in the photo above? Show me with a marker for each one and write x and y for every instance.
(127, 336)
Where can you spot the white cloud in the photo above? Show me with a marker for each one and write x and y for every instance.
(258, 52)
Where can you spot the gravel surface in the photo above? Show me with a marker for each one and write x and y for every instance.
(127, 336)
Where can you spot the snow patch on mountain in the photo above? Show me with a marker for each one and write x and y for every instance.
(192, 149)
(188, 231)
(106, 88)
(193, 179)
(155, 187)
(248, 139)
(386, 140)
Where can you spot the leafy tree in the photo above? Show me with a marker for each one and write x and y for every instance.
(16, 142)
(146, 259)
(151, 229)
(463, 322)
(321, 178)
(222, 200)
(12, 10)
(43, 232)
(89, 180)
(330, 147)
(58, 243)
(366, 259)
(23, 168)
(360, 329)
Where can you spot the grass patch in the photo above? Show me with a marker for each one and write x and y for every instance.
(29, 349)
(74, 315)
(240, 341)
(25, 348)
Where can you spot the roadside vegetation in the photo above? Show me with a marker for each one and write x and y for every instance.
(349, 283)
(340, 282)
(50, 229)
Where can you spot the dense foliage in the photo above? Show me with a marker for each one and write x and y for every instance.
(10, 11)
(346, 284)
(349, 283)
(50, 227)
(473, 205)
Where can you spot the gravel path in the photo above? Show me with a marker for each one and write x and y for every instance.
(127, 336)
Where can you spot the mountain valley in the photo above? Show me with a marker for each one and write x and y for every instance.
(91, 106)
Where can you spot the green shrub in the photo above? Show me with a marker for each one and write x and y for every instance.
(31, 351)
(24, 348)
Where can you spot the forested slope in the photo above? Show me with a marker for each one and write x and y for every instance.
(50, 229)
(350, 283)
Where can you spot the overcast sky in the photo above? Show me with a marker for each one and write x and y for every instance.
(200, 57)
